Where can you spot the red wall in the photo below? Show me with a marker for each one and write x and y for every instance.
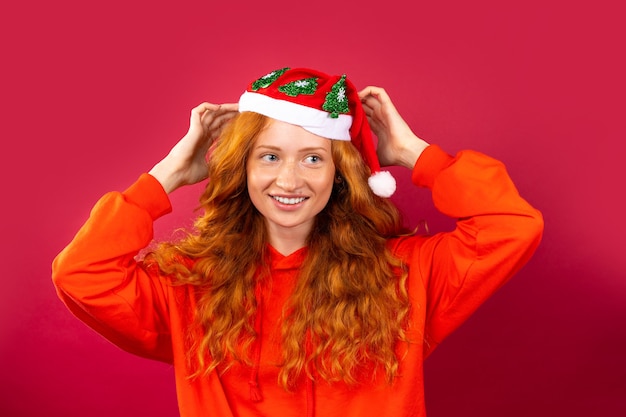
(94, 95)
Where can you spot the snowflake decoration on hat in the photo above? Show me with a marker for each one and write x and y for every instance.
(336, 101)
(305, 86)
(267, 80)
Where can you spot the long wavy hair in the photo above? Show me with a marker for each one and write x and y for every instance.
(349, 306)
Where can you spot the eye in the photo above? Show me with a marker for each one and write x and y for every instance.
(269, 157)
(312, 159)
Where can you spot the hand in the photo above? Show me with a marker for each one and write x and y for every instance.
(397, 144)
(186, 162)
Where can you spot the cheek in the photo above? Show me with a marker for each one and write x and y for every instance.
(257, 178)
(325, 183)
(254, 192)
(258, 182)
(251, 182)
(251, 174)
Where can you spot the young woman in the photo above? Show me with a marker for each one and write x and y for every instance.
(298, 292)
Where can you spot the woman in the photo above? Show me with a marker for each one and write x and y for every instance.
(298, 291)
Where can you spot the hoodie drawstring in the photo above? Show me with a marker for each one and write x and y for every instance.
(309, 386)
(255, 390)
(310, 398)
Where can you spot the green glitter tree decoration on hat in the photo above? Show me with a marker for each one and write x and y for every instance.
(267, 80)
(336, 100)
(305, 86)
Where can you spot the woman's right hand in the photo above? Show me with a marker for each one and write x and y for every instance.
(186, 163)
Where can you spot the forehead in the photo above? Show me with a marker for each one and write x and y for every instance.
(286, 135)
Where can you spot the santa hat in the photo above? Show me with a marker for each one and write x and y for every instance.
(326, 105)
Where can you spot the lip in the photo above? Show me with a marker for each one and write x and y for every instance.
(288, 202)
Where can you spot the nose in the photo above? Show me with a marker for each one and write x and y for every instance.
(287, 178)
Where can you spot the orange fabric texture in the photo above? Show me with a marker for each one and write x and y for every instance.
(450, 275)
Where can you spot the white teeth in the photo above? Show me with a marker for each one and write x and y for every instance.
(284, 200)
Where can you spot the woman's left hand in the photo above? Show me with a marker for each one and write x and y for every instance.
(397, 144)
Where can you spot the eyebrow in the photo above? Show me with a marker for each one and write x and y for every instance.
(276, 148)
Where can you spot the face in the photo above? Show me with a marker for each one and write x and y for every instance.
(290, 178)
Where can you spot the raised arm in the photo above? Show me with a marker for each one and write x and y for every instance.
(97, 275)
(497, 231)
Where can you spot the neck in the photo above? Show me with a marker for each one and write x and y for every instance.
(287, 242)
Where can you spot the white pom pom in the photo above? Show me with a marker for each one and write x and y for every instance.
(382, 183)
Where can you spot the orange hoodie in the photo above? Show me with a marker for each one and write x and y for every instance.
(450, 275)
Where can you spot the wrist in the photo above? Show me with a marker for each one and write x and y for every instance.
(412, 151)
(167, 177)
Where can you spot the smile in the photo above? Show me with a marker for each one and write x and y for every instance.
(289, 201)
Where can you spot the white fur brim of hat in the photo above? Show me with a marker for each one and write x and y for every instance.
(315, 121)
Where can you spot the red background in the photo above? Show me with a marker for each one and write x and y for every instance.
(93, 95)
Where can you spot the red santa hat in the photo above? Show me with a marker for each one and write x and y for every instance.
(326, 105)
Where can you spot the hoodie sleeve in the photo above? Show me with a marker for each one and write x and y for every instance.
(100, 281)
(451, 274)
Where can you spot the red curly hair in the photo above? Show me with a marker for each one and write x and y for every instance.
(350, 302)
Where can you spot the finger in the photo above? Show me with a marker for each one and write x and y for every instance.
(220, 108)
(224, 110)
(205, 106)
(214, 131)
(376, 98)
(371, 91)
(371, 101)
(202, 108)
(229, 109)
(374, 125)
(218, 123)
(199, 113)
(369, 111)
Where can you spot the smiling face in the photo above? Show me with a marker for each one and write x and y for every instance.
(290, 179)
